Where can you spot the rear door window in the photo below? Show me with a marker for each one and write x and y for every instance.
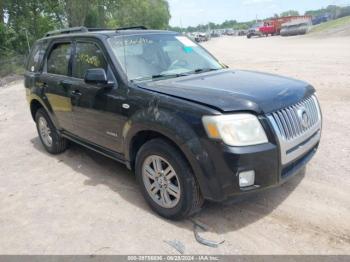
(88, 56)
(58, 60)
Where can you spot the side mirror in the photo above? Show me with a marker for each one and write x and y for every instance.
(96, 76)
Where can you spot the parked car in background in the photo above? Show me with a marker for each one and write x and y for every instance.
(201, 37)
(192, 36)
(215, 33)
(230, 32)
(321, 19)
(255, 30)
(241, 32)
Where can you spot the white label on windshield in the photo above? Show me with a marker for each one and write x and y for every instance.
(185, 41)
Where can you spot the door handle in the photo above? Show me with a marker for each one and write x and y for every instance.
(76, 93)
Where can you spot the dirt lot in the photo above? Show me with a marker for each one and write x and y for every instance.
(83, 203)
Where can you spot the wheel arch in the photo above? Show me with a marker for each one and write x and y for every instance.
(178, 133)
(142, 137)
(149, 124)
(35, 105)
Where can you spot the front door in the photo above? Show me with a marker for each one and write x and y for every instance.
(97, 110)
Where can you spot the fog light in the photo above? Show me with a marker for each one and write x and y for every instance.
(247, 178)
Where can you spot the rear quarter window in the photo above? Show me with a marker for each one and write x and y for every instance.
(35, 59)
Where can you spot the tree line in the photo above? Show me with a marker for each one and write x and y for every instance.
(333, 11)
(24, 21)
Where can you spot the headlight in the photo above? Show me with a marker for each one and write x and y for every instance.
(235, 129)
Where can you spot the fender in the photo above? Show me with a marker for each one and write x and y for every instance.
(179, 132)
(32, 96)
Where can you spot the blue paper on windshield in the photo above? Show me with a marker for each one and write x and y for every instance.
(187, 44)
(188, 49)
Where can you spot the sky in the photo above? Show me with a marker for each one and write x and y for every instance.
(193, 12)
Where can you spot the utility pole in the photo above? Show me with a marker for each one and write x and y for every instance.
(25, 30)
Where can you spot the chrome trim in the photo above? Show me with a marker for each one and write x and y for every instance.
(294, 138)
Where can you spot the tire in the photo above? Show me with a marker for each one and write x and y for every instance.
(58, 144)
(189, 200)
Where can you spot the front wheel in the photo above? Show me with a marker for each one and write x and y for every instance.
(51, 140)
(166, 180)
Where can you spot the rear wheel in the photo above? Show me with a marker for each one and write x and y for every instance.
(166, 180)
(51, 140)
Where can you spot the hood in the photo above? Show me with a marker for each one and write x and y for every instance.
(228, 90)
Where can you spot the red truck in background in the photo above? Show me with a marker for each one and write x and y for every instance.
(272, 26)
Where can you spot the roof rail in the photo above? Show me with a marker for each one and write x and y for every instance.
(94, 29)
(140, 27)
(68, 31)
(83, 29)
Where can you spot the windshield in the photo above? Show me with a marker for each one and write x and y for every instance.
(144, 57)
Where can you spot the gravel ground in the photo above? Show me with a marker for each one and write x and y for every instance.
(83, 203)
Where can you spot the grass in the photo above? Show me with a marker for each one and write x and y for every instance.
(12, 65)
(11, 70)
(333, 24)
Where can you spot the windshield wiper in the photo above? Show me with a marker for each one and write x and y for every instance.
(169, 75)
(197, 71)
(159, 76)
(203, 70)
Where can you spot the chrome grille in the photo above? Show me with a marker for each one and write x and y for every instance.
(298, 128)
(289, 120)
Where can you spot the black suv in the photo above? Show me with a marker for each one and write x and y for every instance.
(191, 129)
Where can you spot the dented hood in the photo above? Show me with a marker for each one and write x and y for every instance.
(228, 90)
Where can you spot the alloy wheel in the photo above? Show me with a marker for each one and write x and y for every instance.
(161, 181)
(45, 131)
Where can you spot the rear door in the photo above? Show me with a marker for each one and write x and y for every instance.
(56, 82)
(97, 110)
(35, 64)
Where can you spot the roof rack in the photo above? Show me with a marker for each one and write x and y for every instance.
(94, 29)
(83, 29)
(68, 31)
(141, 27)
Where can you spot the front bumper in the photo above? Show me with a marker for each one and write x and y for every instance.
(290, 148)
(263, 159)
